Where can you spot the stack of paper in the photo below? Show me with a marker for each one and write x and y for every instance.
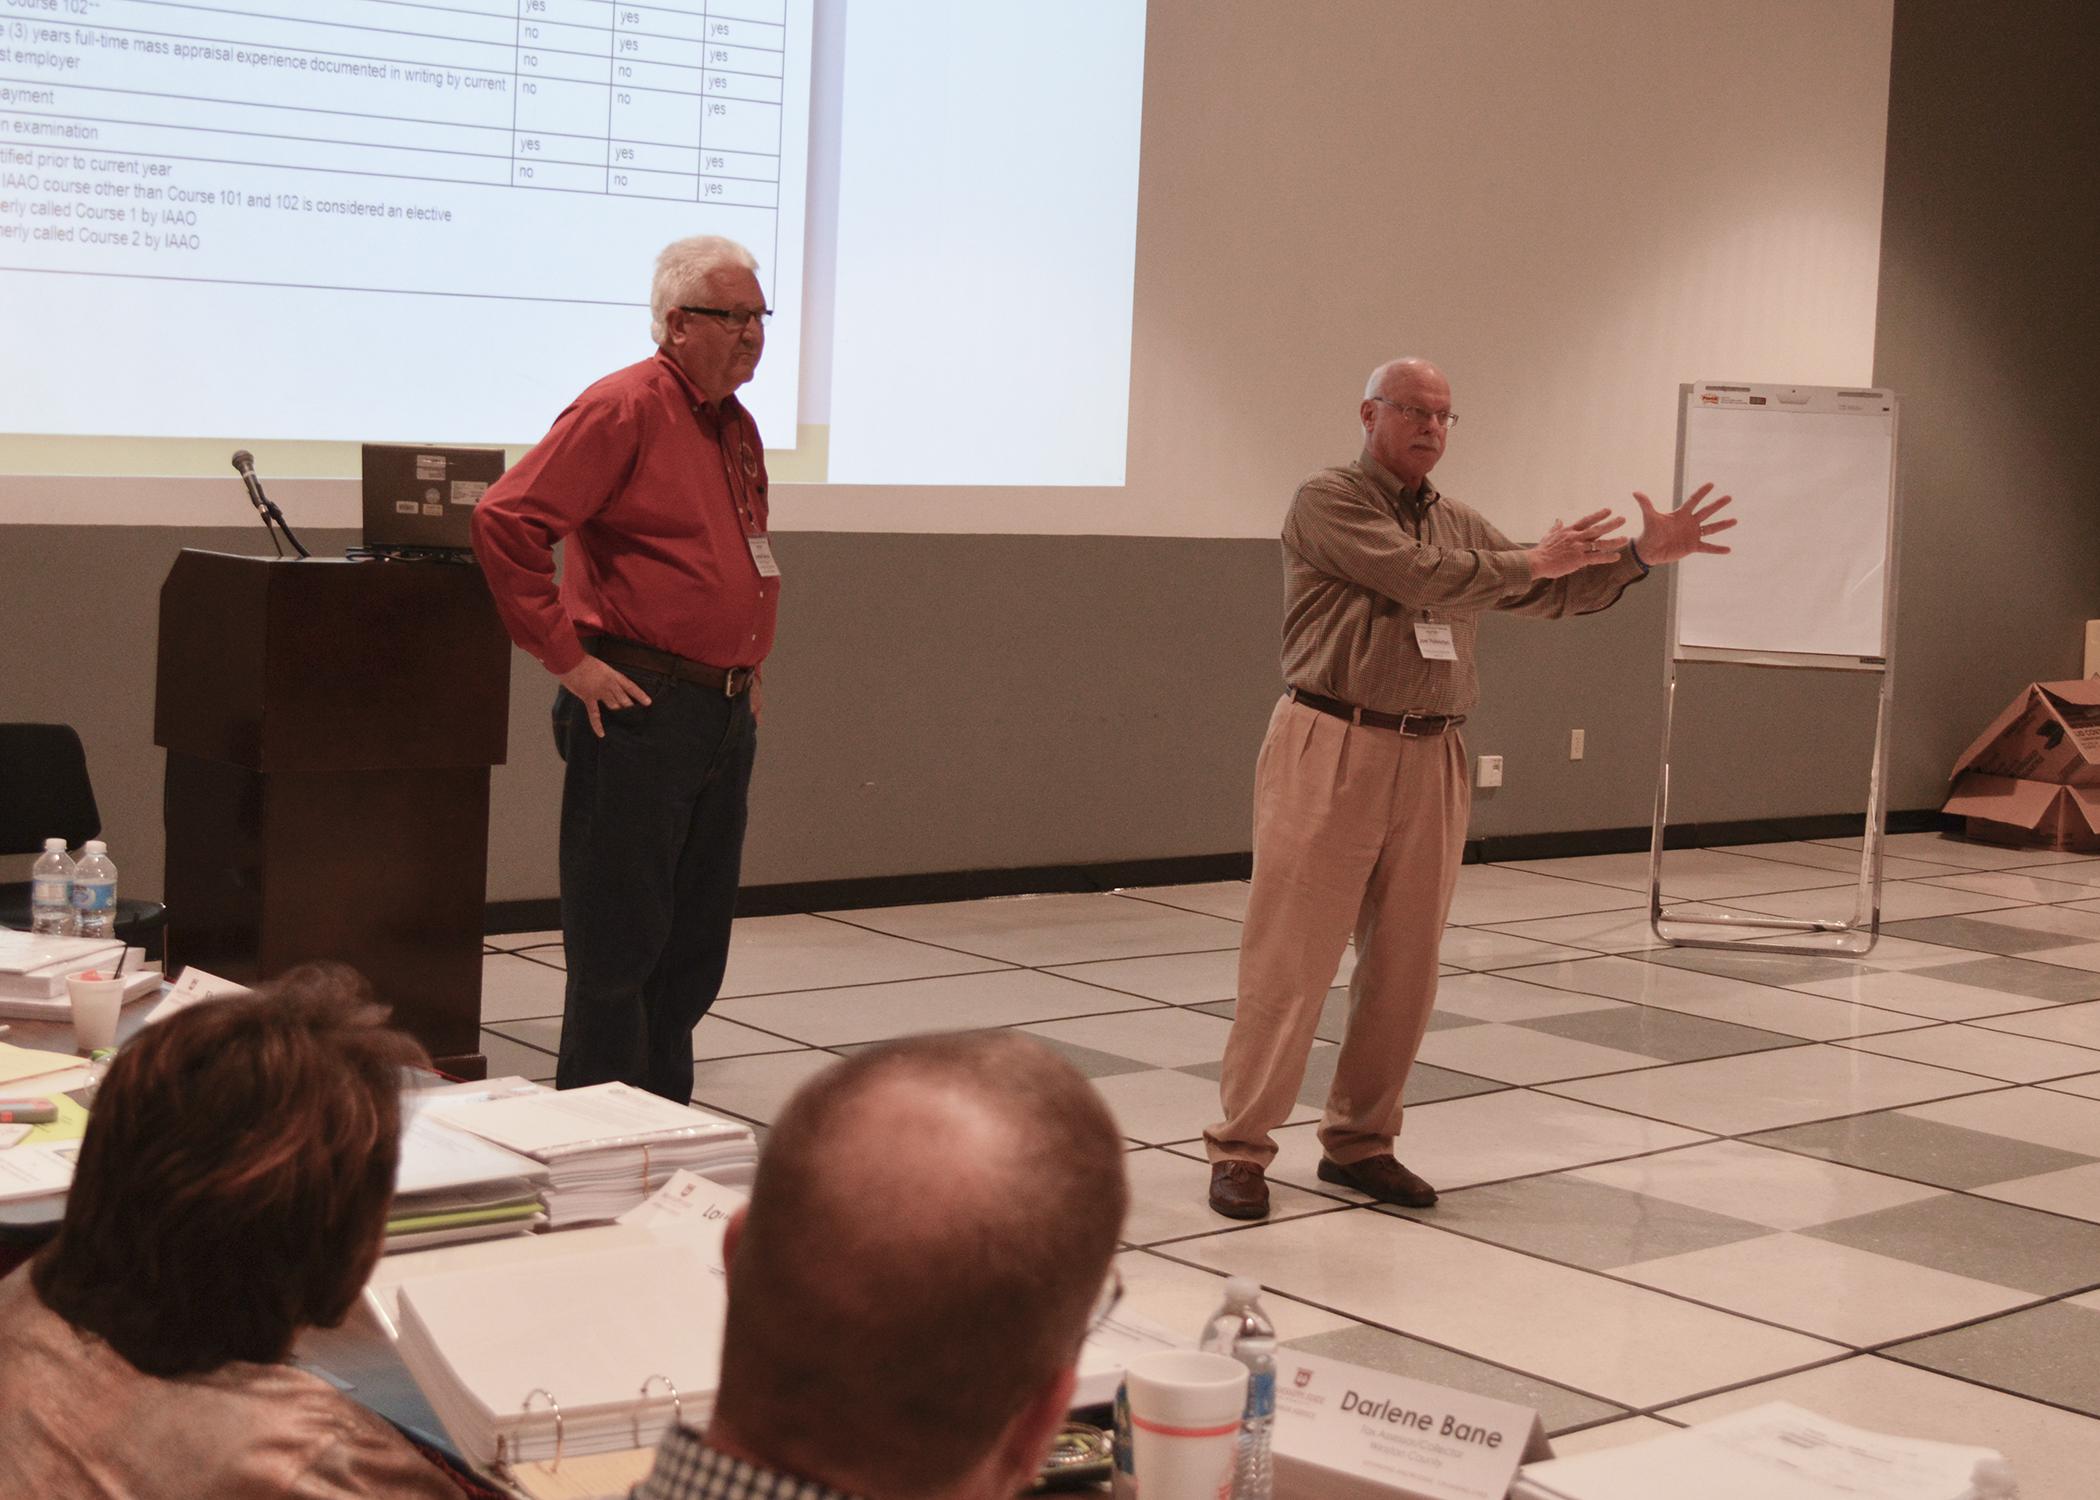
(608, 1147)
(455, 1186)
(1773, 1452)
(603, 1339)
(34, 966)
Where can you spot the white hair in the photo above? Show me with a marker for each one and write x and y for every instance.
(680, 269)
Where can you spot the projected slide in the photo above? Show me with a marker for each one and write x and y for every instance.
(378, 220)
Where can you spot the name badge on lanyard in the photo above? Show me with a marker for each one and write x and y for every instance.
(762, 557)
(1433, 639)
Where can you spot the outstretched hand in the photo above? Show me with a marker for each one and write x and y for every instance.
(1667, 535)
(1584, 544)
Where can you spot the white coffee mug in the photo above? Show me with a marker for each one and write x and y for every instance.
(96, 1004)
(1184, 1414)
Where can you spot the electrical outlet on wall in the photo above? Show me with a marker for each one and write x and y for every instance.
(1574, 744)
(1490, 771)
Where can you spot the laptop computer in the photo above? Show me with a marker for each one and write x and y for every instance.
(420, 499)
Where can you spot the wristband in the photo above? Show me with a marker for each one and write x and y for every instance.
(1635, 548)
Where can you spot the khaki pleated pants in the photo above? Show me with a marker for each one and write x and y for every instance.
(1358, 832)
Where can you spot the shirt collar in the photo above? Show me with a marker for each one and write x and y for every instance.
(1389, 485)
(688, 1469)
(726, 406)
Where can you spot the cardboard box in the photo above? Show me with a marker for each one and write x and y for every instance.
(2033, 778)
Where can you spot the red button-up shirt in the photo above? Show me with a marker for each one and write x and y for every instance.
(655, 490)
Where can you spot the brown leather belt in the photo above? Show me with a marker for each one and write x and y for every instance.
(636, 657)
(1415, 726)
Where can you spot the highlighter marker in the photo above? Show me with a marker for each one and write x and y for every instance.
(27, 1111)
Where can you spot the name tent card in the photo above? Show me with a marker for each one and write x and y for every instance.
(1347, 1433)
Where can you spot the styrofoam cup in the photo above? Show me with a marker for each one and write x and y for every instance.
(97, 1001)
(1185, 1411)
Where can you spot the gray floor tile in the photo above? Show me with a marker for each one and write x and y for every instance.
(1979, 933)
(1660, 1034)
(1378, 1349)
(1902, 1145)
(2020, 976)
(2000, 1243)
(1760, 968)
(1581, 1223)
(509, 1058)
(2047, 1353)
(1090, 1063)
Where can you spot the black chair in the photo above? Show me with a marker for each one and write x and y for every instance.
(45, 793)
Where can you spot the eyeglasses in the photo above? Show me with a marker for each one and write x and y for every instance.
(735, 319)
(1419, 414)
(1105, 1304)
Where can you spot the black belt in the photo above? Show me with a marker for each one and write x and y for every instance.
(1416, 726)
(636, 657)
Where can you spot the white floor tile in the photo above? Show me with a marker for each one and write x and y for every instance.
(1183, 1297)
(755, 1088)
(1480, 948)
(1218, 898)
(1498, 894)
(2087, 1087)
(1610, 1435)
(1165, 1038)
(1901, 901)
(1617, 931)
(2014, 886)
(512, 941)
(1175, 978)
(770, 955)
(964, 1002)
(1169, 1198)
(1513, 997)
(1717, 997)
(1689, 874)
(1917, 993)
(1516, 1133)
(1766, 1090)
(1054, 929)
(2074, 1191)
(1774, 1188)
(1843, 861)
(2077, 1024)
(1952, 849)
(1161, 1106)
(1831, 1291)
(1994, 1054)
(1603, 1337)
(513, 988)
(2043, 1116)
(2053, 1453)
(1516, 1054)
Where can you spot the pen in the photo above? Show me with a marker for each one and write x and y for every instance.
(27, 1111)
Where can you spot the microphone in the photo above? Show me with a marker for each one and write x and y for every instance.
(244, 465)
(273, 518)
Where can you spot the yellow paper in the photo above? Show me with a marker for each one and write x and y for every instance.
(70, 1125)
(25, 1062)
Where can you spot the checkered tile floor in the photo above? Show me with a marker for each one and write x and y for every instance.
(1676, 1181)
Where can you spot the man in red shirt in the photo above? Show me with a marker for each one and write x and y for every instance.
(655, 481)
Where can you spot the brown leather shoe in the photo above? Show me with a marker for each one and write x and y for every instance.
(1238, 1190)
(1382, 1177)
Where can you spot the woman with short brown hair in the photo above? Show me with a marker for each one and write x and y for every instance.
(232, 1189)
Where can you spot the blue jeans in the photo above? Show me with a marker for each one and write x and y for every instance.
(652, 842)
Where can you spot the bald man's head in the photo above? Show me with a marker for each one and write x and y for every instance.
(1404, 403)
(931, 1224)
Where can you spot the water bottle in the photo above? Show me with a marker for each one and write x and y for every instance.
(95, 891)
(1241, 1329)
(51, 891)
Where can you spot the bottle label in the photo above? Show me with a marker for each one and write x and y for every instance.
(94, 897)
(50, 893)
(1261, 1394)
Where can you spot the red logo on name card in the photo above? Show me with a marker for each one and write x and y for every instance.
(1706, 400)
(1304, 1377)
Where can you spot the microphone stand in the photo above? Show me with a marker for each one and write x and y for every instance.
(266, 507)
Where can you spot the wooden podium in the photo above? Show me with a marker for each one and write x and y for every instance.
(330, 727)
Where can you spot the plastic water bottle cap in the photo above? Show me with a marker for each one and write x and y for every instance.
(94, 846)
(54, 846)
(1241, 1289)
